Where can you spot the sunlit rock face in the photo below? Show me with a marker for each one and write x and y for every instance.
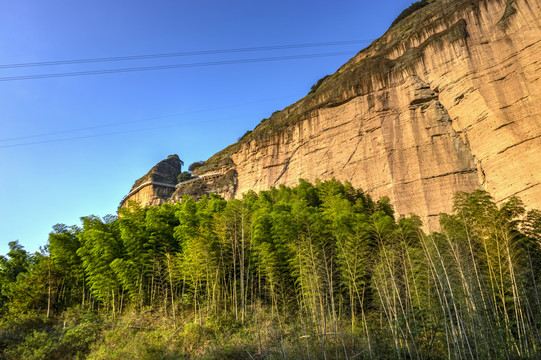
(447, 100)
(152, 189)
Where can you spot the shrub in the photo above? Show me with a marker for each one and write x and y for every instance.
(410, 10)
(184, 176)
(55, 341)
(195, 165)
(318, 84)
(245, 134)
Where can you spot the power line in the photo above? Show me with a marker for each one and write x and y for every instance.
(174, 66)
(179, 54)
(63, 132)
(87, 136)
(48, 141)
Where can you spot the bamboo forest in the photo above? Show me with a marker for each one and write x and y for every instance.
(317, 271)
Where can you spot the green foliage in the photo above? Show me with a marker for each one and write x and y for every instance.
(101, 245)
(36, 339)
(316, 86)
(16, 263)
(64, 268)
(125, 342)
(313, 271)
(195, 165)
(410, 10)
(184, 176)
(245, 135)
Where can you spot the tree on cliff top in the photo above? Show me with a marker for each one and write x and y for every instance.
(195, 165)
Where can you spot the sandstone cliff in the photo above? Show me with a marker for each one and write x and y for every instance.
(225, 184)
(157, 186)
(446, 100)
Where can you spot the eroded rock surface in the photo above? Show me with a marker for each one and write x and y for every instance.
(225, 185)
(151, 189)
(446, 100)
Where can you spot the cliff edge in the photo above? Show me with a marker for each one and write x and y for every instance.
(446, 100)
(156, 186)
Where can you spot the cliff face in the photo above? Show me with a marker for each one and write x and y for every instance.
(157, 186)
(396, 141)
(447, 100)
(225, 185)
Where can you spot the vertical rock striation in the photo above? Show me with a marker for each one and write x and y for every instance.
(446, 100)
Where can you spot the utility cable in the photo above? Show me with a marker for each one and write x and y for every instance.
(174, 66)
(105, 134)
(179, 54)
(63, 132)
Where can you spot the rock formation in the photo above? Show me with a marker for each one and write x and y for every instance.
(446, 100)
(224, 184)
(157, 186)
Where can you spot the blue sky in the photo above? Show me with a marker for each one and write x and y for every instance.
(73, 146)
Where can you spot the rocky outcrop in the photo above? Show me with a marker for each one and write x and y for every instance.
(157, 185)
(225, 185)
(446, 100)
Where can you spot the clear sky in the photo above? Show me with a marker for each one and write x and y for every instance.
(73, 146)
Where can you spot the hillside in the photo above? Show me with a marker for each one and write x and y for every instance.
(445, 101)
